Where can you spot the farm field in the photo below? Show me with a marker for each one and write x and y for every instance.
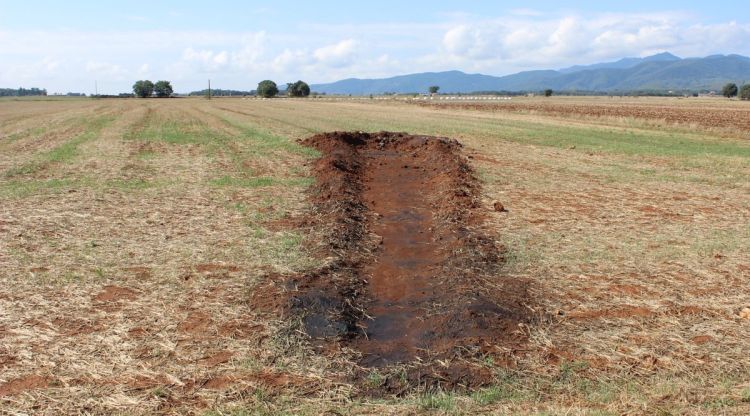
(142, 243)
(713, 113)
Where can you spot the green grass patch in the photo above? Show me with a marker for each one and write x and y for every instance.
(261, 181)
(441, 401)
(35, 131)
(628, 142)
(68, 150)
(25, 169)
(504, 391)
(265, 142)
(181, 132)
(63, 153)
(719, 403)
(146, 155)
(23, 188)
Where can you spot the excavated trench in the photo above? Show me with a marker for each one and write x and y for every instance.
(412, 278)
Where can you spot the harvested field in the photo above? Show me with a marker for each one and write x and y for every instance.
(706, 114)
(412, 277)
(176, 256)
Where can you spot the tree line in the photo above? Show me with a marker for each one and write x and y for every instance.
(731, 90)
(21, 92)
(221, 93)
(268, 89)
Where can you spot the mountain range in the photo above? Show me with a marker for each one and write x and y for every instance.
(661, 72)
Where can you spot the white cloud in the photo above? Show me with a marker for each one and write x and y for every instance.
(252, 48)
(337, 55)
(208, 60)
(289, 59)
(518, 43)
(104, 68)
(473, 42)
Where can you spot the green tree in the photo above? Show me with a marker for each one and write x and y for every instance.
(163, 89)
(298, 89)
(267, 88)
(745, 92)
(729, 90)
(434, 89)
(143, 88)
(548, 92)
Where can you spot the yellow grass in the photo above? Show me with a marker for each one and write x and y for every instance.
(635, 233)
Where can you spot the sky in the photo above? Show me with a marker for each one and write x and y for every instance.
(69, 46)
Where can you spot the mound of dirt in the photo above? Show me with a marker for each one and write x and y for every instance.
(414, 279)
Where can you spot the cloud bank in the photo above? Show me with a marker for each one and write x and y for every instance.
(523, 39)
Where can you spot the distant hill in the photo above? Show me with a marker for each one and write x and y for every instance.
(623, 63)
(658, 72)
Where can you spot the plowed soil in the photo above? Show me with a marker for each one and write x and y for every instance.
(414, 277)
(717, 116)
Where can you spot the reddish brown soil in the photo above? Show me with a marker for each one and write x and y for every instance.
(414, 278)
(22, 384)
(216, 359)
(115, 293)
(702, 339)
(196, 323)
(239, 329)
(219, 382)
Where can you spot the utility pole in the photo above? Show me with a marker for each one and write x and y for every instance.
(96, 88)
(209, 89)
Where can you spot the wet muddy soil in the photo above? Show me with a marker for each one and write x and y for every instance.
(413, 277)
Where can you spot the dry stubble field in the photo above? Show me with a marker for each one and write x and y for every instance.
(135, 236)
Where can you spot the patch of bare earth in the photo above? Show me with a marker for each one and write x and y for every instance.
(413, 280)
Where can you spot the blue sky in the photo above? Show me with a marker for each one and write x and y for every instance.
(65, 46)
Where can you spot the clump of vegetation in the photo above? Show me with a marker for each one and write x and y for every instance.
(548, 92)
(434, 89)
(143, 88)
(298, 89)
(745, 92)
(729, 90)
(267, 89)
(163, 89)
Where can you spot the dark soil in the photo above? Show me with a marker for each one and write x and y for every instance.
(414, 278)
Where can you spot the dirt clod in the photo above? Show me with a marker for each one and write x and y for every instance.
(499, 207)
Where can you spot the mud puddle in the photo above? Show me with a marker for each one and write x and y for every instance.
(413, 277)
